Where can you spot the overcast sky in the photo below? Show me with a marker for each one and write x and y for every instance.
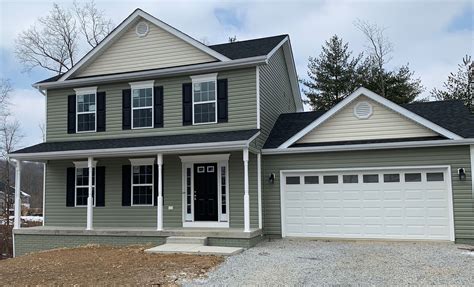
(432, 36)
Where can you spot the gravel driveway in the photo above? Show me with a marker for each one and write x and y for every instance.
(304, 262)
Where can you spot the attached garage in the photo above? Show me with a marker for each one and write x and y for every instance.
(385, 203)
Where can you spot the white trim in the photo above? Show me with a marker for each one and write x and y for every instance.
(257, 72)
(472, 168)
(363, 117)
(374, 146)
(205, 158)
(142, 86)
(142, 161)
(17, 206)
(83, 92)
(259, 189)
(447, 175)
(84, 164)
(168, 72)
(273, 51)
(198, 79)
(137, 151)
(206, 224)
(152, 184)
(123, 27)
(365, 92)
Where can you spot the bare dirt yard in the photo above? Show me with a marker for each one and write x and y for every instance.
(104, 265)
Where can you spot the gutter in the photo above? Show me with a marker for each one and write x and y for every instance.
(136, 151)
(375, 146)
(168, 72)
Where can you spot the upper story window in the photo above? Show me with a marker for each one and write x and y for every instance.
(204, 99)
(142, 104)
(86, 109)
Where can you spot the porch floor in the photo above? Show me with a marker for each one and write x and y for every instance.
(124, 231)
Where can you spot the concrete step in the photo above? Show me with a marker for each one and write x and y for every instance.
(196, 249)
(186, 240)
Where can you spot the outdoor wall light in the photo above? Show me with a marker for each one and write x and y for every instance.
(271, 178)
(462, 174)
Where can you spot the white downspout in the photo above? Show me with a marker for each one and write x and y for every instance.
(246, 191)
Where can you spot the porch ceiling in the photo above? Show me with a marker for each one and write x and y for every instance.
(199, 142)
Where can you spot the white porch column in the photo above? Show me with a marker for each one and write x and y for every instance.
(159, 204)
(259, 189)
(246, 191)
(17, 219)
(472, 169)
(90, 198)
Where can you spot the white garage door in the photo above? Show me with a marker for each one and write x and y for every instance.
(385, 203)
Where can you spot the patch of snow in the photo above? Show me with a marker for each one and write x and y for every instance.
(468, 253)
(32, 218)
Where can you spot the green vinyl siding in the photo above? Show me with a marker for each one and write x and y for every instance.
(276, 95)
(113, 214)
(456, 157)
(242, 113)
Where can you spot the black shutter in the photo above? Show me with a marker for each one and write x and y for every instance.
(126, 109)
(71, 114)
(101, 111)
(222, 114)
(187, 104)
(70, 186)
(100, 186)
(158, 93)
(126, 185)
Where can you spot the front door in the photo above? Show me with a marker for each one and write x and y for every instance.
(205, 192)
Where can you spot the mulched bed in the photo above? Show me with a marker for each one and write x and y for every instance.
(104, 265)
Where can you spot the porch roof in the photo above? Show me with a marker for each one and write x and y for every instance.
(138, 145)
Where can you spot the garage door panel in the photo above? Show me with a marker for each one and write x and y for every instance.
(398, 210)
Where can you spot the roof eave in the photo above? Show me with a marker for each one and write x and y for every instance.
(172, 71)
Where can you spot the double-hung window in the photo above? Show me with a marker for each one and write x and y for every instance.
(82, 184)
(86, 111)
(142, 104)
(142, 182)
(204, 99)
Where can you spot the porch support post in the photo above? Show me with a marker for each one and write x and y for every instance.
(259, 189)
(90, 198)
(17, 219)
(159, 204)
(472, 169)
(246, 191)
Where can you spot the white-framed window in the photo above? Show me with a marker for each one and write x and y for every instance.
(143, 193)
(204, 89)
(86, 109)
(81, 191)
(142, 104)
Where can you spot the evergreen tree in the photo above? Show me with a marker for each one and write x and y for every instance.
(332, 76)
(459, 86)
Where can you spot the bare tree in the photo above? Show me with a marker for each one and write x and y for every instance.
(5, 90)
(94, 26)
(10, 137)
(379, 48)
(53, 42)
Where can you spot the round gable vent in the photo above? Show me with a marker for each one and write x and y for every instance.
(142, 29)
(363, 110)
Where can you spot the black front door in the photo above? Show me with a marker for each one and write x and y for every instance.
(205, 192)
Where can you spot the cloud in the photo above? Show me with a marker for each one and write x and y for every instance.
(28, 107)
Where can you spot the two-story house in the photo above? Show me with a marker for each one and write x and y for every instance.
(154, 134)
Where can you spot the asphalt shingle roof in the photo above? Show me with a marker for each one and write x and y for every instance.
(248, 48)
(140, 141)
(451, 115)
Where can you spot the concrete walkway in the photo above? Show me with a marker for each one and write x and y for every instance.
(192, 245)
